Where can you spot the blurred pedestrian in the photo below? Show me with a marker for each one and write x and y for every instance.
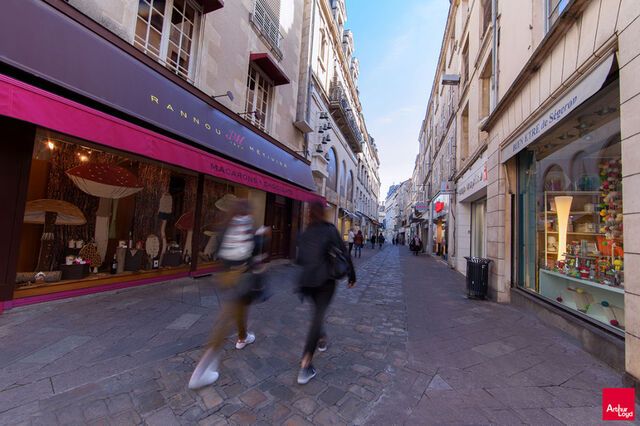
(380, 240)
(350, 239)
(373, 241)
(324, 259)
(242, 251)
(415, 245)
(359, 243)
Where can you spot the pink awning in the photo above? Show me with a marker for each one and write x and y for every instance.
(25, 102)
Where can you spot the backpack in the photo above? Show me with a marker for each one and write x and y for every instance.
(337, 261)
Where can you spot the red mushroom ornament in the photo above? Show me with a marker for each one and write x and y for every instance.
(109, 182)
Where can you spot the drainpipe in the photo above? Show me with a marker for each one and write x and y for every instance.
(494, 56)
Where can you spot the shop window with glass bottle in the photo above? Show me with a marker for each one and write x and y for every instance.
(94, 215)
(571, 249)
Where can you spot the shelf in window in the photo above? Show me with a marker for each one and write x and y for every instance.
(575, 212)
(572, 233)
(584, 282)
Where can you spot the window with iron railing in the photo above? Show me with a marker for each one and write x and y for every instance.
(265, 19)
(166, 30)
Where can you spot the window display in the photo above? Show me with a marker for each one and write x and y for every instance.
(93, 213)
(570, 191)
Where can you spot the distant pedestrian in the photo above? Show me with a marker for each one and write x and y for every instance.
(350, 238)
(241, 251)
(358, 243)
(415, 245)
(323, 258)
(393, 241)
(373, 241)
(380, 240)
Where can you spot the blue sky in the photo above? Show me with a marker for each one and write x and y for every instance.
(397, 43)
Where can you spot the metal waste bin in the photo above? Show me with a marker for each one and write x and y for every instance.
(477, 277)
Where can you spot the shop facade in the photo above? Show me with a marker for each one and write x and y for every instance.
(471, 209)
(120, 175)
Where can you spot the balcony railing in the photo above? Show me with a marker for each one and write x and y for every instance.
(344, 117)
(268, 25)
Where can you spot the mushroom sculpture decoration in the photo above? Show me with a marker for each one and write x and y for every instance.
(51, 212)
(109, 182)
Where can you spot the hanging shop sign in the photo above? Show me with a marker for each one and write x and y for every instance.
(440, 205)
(73, 57)
(580, 93)
(421, 206)
(473, 181)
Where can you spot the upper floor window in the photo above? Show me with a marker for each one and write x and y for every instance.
(259, 93)
(485, 16)
(166, 30)
(554, 9)
(266, 19)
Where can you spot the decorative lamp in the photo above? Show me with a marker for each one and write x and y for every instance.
(563, 207)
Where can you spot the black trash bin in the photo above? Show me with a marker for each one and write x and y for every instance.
(477, 277)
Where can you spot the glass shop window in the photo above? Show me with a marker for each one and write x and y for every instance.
(571, 246)
(92, 214)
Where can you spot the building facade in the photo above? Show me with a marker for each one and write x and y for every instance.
(344, 157)
(545, 166)
(124, 146)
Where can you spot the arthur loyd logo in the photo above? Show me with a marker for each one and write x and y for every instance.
(618, 404)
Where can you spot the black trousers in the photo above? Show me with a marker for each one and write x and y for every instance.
(321, 298)
(350, 248)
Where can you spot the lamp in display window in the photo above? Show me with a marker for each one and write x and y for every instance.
(563, 208)
(51, 212)
(108, 182)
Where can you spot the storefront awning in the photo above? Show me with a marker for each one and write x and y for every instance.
(561, 109)
(24, 102)
(116, 76)
(269, 67)
(211, 5)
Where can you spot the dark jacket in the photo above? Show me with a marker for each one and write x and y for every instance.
(313, 254)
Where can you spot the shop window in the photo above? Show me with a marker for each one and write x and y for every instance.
(464, 135)
(93, 214)
(259, 92)
(166, 30)
(570, 240)
(478, 225)
(485, 88)
(332, 170)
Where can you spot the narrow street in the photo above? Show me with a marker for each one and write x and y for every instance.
(406, 347)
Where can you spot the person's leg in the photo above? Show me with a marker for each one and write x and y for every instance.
(321, 299)
(241, 319)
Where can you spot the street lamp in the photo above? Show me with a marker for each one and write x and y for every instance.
(229, 94)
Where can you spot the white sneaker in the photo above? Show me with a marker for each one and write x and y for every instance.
(240, 344)
(206, 372)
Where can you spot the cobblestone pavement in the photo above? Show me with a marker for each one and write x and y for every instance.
(405, 348)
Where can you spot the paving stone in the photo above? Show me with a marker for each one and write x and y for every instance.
(332, 395)
(327, 417)
(149, 402)
(253, 398)
(210, 397)
(296, 420)
(438, 383)
(494, 349)
(213, 420)
(306, 405)
(95, 410)
(244, 417)
(162, 417)
(125, 418)
(119, 403)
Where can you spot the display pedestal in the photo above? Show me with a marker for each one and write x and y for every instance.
(74, 272)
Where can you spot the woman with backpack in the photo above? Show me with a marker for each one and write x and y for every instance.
(241, 250)
(324, 259)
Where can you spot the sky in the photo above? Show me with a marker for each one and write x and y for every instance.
(397, 43)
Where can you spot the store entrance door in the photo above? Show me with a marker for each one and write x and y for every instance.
(278, 217)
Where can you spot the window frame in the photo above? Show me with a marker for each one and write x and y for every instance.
(250, 107)
(165, 36)
(560, 8)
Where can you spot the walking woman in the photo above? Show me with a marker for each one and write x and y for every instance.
(359, 243)
(319, 243)
(242, 263)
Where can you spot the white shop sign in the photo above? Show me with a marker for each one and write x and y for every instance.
(580, 93)
(474, 180)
